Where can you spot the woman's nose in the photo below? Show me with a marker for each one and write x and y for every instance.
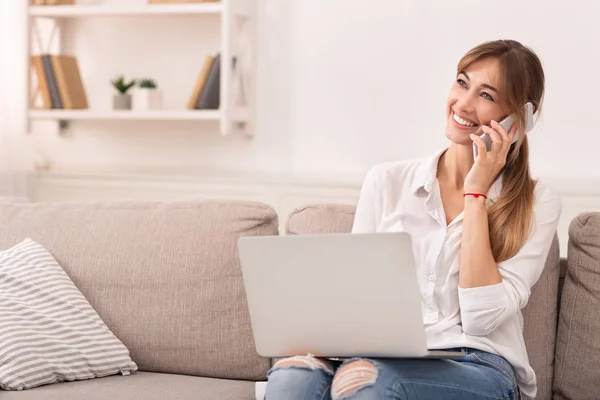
(466, 103)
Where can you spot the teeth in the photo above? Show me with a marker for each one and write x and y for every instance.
(462, 121)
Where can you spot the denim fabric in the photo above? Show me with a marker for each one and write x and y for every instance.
(479, 375)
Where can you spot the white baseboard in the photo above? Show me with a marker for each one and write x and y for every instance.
(283, 194)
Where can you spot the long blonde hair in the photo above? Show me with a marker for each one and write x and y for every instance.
(522, 79)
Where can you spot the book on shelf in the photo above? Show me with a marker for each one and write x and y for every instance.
(207, 90)
(59, 82)
(208, 60)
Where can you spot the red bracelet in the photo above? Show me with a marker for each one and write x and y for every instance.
(476, 195)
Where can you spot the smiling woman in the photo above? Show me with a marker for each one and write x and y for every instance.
(481, 229)
(474, 83)
(494, 80)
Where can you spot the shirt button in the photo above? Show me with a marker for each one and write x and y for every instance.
(431, 278)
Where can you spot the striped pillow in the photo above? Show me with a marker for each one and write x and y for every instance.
(48, 331)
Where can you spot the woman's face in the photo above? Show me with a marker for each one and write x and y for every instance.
(473, 101)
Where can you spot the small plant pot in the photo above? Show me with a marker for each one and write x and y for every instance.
(122, 102)
(147, 99)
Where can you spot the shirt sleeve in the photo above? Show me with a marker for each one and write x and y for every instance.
(365, 217)
(485, 308)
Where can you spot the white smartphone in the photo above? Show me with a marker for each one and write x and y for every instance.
(507, 123)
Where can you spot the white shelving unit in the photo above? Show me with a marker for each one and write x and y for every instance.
(125, 10)
(237, 36)
(158, 115)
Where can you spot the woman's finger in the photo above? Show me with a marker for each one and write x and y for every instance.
(506, 136)
(497, 142)
(500, 129)
(482, 150)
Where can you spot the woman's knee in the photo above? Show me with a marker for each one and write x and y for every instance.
(352, 378)
(299, 377)
(303, 362)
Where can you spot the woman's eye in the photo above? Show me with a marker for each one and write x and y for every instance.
(487, 96)
(461, 82)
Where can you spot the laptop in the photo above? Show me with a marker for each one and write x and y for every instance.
(335, 296)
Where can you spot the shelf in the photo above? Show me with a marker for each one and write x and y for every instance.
(126, 115)
(125, 10)
(236, 34)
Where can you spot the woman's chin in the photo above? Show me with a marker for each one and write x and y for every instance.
(459, 136)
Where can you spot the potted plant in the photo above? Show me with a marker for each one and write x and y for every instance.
(147, 96)
(122, 100)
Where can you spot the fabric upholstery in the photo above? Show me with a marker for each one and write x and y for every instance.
(49, 332)
(540, 318)
(164, 277)
(540, 315)
(320, 218)
(141, 386)
(577, 347)
(561, 280)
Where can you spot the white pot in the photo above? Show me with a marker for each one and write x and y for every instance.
(146, 99)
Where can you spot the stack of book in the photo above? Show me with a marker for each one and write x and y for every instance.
(206, 93)
(59, 81)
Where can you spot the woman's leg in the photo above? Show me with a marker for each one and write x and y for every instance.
(300, 378)
(477, 376)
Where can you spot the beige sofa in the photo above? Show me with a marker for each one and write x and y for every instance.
(165, 278)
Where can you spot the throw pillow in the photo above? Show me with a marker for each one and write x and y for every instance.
(49, 332)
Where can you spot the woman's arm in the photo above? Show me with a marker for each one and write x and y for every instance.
(489, 293)
(477, 264)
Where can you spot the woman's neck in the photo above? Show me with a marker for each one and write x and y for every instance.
(454, 165)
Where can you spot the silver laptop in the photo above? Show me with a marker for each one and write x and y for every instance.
(334, 295)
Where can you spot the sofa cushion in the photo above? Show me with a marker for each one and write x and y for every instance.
(49, 331)
(141, 386)
(577, 346)
(540, 315)
(561, 280)
(320, 218)
(540, 319)
(164, 277)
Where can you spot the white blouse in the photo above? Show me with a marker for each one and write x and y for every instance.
(405, 196)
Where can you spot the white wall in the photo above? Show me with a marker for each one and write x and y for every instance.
(342, 84)
(371, 78)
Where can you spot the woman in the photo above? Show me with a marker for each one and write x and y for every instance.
(481, 230)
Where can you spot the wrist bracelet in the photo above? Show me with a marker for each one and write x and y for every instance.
(476, 195)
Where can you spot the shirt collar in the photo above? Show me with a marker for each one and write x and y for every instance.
(426, 174)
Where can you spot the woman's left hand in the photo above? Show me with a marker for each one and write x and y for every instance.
(488, 164)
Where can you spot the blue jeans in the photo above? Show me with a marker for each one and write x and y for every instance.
(479, 375)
